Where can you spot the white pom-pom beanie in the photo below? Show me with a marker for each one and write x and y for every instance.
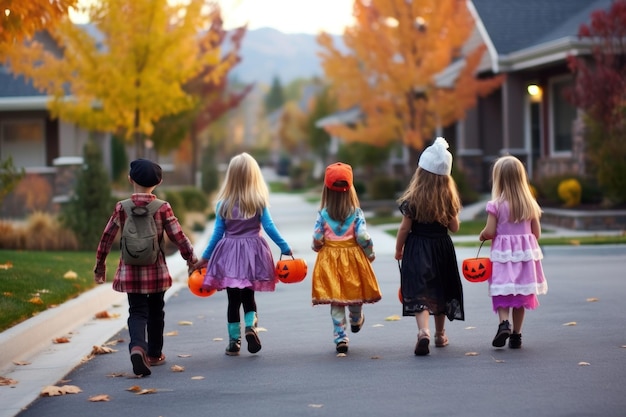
(436, 158)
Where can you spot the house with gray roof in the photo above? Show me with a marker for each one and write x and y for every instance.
(528, 116)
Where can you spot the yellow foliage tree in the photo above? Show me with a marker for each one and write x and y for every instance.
(129, 73)
(395, 51)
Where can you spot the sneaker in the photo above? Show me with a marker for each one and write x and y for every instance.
(252, 337)
(233, 348)
(515, 342)
(356, 325)
(141, 366)
(504, 331)
(423, 340)
(441, 339)
(156, 361)
(342, 347)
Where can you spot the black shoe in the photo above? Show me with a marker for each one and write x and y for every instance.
(515, 342)
(355, 326)
(252, 337)
(504, 331)
(342, 347)
(141, 366)
(233, 348)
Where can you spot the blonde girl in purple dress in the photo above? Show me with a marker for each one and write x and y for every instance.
(237, 257)
(513, 225)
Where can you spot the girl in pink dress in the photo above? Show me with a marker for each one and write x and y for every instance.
(513, 224)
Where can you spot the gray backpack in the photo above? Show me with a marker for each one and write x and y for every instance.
(140, 243)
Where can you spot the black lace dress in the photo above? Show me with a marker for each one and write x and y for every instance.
(430, 277)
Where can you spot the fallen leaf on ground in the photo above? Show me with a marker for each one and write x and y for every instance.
(106, 315)
(113, 342)
(36, 300)
(261, 329)
(184, 355)
(218, 339)
(570, 323)
(172, 333)
(583, 364)
(101, 350)
(61, 340)
(6, 265)
(4, 381)
(147, 391)
(177, 368)
(470, 328)
(185, 323)
(471, 354)
(497, 360)
(134, 388)
(378, 325)
(100, 397)
(395, 317)
(21, 363)
(341, 355)
(197, 377)
(53, 390)
(316, 405)
(116, 374)
(70, 275)
(592, 299)
(7, 294)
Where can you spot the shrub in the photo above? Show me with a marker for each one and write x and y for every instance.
(384, 188)
(34, 192)
(41, 232)
(570, 192)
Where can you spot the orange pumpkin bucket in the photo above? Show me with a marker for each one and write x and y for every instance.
(292, 270)
(195, 281)
(477, 269)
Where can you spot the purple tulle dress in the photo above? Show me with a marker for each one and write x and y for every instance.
(517, 275)
(242, 258)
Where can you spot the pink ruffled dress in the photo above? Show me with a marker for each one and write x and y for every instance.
(517, 275)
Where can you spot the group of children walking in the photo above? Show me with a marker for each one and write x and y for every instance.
(239, 260)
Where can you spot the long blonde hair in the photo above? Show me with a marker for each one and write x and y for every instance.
(243, 186)
(434, 198)
(339, 204)
(510, 184)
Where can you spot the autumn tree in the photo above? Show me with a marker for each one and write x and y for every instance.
(600, 91)
(129, 74)
(322, 104)
(275, 98)
(20, 20)
(395, 50)
(213, 96)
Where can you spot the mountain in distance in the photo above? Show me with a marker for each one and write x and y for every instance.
(267, 53)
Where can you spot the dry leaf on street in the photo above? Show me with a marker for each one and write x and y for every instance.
(147, 391)
(395, 317)
(471, 354)
(61, 340)
(4, 381)
(583, 364)
(106, 315)
(592, 299)
(173, 333)
(316, 405)
(497, 360)
(197, 378)
(185, 323)
(53, 390)
(218, 339)
(184, 355)
(100, 397)
(20, 363)
(570, 323)
(177, 368)
(101, 350)
(134, 388)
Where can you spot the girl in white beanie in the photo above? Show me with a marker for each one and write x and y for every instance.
(430, 280)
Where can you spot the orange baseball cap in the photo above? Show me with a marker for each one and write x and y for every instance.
(338, 177)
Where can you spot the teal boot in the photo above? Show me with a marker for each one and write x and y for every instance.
(234, 339)
(252, 336)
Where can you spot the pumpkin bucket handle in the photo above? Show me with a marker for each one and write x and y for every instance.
(479, 248)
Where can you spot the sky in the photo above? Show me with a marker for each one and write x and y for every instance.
(288, 16)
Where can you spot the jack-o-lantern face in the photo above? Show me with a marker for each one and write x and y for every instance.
(292, 270)
(477, 269)
(195, 282)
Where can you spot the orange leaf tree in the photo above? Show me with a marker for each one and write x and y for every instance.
(395, 51)
(131, 72)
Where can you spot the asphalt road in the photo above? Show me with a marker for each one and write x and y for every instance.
(572, 363)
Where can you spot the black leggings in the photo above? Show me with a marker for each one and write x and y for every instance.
(237, 297)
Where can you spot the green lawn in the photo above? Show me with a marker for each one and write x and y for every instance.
(33, 281)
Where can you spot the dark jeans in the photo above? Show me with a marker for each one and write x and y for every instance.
(145, 313)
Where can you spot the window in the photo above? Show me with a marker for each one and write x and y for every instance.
(24, 140)
(563, 116)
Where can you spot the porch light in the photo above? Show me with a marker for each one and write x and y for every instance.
(535, 92)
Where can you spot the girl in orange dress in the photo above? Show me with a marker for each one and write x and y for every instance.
(343, 276)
